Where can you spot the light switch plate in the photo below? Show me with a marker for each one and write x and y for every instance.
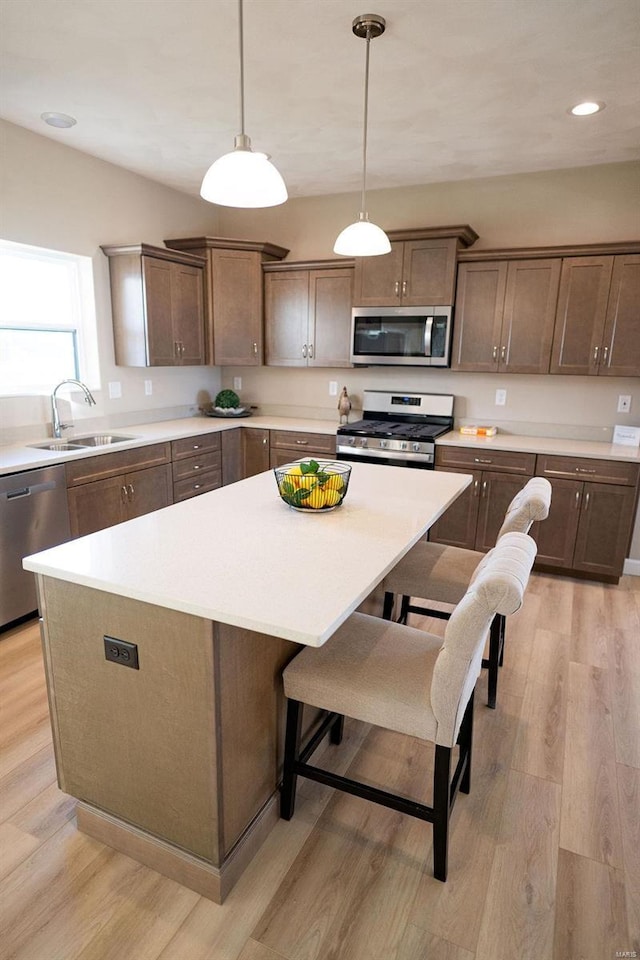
(148, 388)
(624, 403)
(115, 390)
(501, 398)
(237, 383)
(333, 388)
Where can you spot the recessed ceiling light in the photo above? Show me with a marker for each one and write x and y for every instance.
(586, 109)
(58, 119)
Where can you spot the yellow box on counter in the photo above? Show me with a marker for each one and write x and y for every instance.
(472, 431)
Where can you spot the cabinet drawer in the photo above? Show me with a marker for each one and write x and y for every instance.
(291, 440)
(191, 466)
(188, 446)
(585, 468)
(111, 464)
(502, 461)
(192, 487)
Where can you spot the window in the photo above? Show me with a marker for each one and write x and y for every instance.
(47, 319)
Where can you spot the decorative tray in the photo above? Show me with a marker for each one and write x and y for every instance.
(230, 413)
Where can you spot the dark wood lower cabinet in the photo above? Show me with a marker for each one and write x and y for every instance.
(457, 528)
(103, 503)
(255, 444)
(497, 490)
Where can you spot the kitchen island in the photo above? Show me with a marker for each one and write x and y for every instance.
(176, 762)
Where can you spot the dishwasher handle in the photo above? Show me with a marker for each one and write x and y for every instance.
(21, 492)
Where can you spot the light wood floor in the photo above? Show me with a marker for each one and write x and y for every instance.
(544, 860)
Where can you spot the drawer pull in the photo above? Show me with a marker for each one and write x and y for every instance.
(197, 466)
(302, 443)
(197, 486)
(584, 470)
(481, 460)
(195, 446)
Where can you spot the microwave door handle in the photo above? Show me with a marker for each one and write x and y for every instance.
(428, 329)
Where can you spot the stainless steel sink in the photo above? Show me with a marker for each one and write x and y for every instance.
(80, 443)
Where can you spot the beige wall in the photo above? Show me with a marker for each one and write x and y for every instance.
(56, 197)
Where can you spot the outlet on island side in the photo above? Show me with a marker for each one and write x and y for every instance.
(122, 652)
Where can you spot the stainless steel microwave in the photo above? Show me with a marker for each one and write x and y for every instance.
(403, 336)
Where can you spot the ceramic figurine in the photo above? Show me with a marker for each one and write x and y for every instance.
(344, 406)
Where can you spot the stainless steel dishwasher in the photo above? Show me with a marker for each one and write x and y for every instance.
(33, 516)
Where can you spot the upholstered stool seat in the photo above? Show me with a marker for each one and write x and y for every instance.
(408, 681)
(441, 574)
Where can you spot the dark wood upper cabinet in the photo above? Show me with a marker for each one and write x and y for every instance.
(157, 300)
(234, 296)
(621, 340)
(419, 271)
(504, 315)
(580, 315)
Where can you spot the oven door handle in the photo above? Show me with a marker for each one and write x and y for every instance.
(428, 330)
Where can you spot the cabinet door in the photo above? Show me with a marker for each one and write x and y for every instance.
(378, 280)
(556, 536)
(458, 525)
(148, 490)
(187, 312)
(231, 455)
(497, 490)
(428, 272)
(287, 318)
(580, 315)
(529, 313)
(236, 281)
(603, 534)
(330, 296)
(256, 451)
(162, 351)
(621, 343)
(477, 325)
(97, 505)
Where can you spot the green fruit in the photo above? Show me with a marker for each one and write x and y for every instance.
(227, 399)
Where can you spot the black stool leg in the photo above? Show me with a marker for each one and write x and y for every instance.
(503, 625)
(337, 729)
(465, 739)
(387, 607)
(441, 809)
(404, 610)
(291, 754)
(494, 660)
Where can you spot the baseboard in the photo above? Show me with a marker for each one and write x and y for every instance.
(631, 568)
(209, 881)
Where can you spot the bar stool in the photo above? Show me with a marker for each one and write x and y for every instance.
(442, 573)
(409, 681)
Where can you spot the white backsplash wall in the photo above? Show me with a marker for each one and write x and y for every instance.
(93, 203)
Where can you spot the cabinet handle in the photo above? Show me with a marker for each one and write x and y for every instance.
(481, 460)
(311, 350)
(123, 494)
(264, 439)
(476, 484)
(605, 354)
(195, 446)
(304, 350)
(197, 466)
(484, 488)
(196, 486)
(494, 353)
(584, 470)
(302, 443)
(397, 288)
(255, 348)
(577, 499)
(131, 490)
(503, 353)
(595, 354)
(586, 501)
(176, 349)
(404, 288)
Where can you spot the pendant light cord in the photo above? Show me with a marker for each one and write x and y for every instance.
(364, 139)
(241, 36)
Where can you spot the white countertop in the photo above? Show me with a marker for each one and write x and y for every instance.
(594, 449)
(241, 556)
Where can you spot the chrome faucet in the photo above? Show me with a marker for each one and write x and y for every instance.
(55, 416)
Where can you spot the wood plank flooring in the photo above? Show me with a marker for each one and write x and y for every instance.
(544, 861)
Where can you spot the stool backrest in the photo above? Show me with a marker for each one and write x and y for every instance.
(529, 504)
(497, 586)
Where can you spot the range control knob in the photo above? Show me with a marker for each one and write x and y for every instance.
(383, 444)
(363, 442)
(352, 441)
(403, 445)
(416, 447)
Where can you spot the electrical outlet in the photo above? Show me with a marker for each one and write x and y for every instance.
(115, 390)
(119, 651)
(624, 403)
(333, 388)
(501, 398)
(237, 383)
(148, 388)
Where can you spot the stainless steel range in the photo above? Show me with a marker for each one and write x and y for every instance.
(397, 428)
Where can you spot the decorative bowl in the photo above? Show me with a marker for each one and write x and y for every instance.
(313, 486)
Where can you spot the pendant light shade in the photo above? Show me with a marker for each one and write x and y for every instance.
(363, 238)
(243, 178)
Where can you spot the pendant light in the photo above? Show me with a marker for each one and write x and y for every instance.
(363, 238)
(243, 178)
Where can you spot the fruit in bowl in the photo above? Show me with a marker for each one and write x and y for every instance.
(313, 485)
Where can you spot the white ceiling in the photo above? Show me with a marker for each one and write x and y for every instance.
(459, 88)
